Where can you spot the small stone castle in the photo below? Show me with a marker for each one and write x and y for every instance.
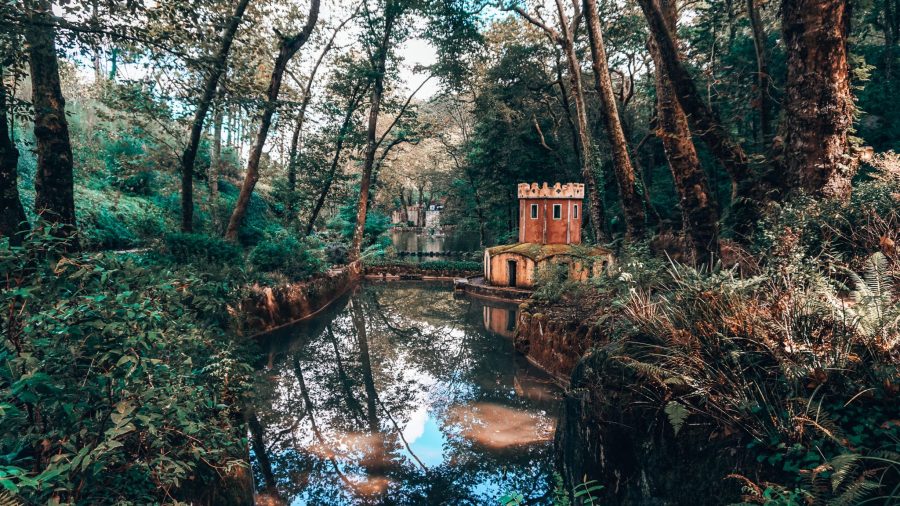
(550, 219)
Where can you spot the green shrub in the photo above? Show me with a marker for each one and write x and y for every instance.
(128, 165)
(377, 223)
(431, 265)
(286, 255)
(450, 265)
(552, 283)
(110, 220)
(198, 248)
(103, 230)
(114, 377)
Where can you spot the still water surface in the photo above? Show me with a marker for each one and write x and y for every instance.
(437, 241)
(401, 395)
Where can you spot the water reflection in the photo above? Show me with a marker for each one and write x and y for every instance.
(501, 319)
(402, 397)
(433, 241)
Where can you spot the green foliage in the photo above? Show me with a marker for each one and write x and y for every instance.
(512, 499)
(200, 248)
(113, 378)
(110, 220)
(585, 491)
(460, 266)
(127, 165)
(677, 414)
(286, 255)
(829, 228)
(560, 494)
(553, 284)
(377, 223)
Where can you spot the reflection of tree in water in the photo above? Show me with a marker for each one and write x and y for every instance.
(333, 411)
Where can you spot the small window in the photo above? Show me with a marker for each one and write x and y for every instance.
(534, 211)
(575, 212)
(557, 211)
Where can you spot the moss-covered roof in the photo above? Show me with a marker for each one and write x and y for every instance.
(538, 252)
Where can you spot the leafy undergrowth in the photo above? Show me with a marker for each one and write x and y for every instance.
(119, 376)
(798, 349)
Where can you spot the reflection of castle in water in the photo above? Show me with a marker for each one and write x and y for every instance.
(501, 320)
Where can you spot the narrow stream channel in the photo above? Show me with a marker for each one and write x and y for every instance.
(403, 394)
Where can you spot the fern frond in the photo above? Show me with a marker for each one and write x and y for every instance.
(8, 499)
(846, 468)
(855, 493)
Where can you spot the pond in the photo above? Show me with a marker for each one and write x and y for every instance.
(401, 395)
(434, 241)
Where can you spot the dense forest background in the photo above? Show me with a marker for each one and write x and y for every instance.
(159, 158)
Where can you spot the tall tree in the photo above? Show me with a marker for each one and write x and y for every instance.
(703, 119)
(632, 204)
(393, 10)
(762, 68)
(358, 91)
(54, 198)
(818, 104)
(565, 37)
(287, 49)
(209, 90)
(700, 214)
(304, 104)
(13, 223)
(215, 155)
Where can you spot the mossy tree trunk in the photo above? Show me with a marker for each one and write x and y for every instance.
(632, 204)
(54, 198)
(818, 104)
(699, 211)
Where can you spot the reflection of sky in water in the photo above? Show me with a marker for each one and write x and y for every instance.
(460, 417)
(427, 440)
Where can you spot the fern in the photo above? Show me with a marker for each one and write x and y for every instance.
(8, 499)
(677, 415)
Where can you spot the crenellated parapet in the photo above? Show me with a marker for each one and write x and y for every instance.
(557, 191)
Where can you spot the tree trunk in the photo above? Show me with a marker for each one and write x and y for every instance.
(762, 69)
(567, 108)
(891, 27)
(359, 323)
(209, 90)
(356, 97)
(703, 120)
(289, 47)
(301, 116)
(379, 64)
(818, 104)
(700, 214)
(258, 442)
(215, 157)
(96, 53)
(13, 223)
(597, 209)
(632, 204)
(54, 198)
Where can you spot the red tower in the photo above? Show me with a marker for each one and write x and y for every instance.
(550, 214)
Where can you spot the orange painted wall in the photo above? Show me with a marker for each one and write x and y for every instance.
(546, 230)
(499, 273)
(526, 269)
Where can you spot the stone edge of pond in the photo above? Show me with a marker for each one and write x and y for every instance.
(270, 307)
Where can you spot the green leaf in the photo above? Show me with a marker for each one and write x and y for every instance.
(677, 414)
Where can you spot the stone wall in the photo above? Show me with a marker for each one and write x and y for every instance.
(552, 345)
(269, 307)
